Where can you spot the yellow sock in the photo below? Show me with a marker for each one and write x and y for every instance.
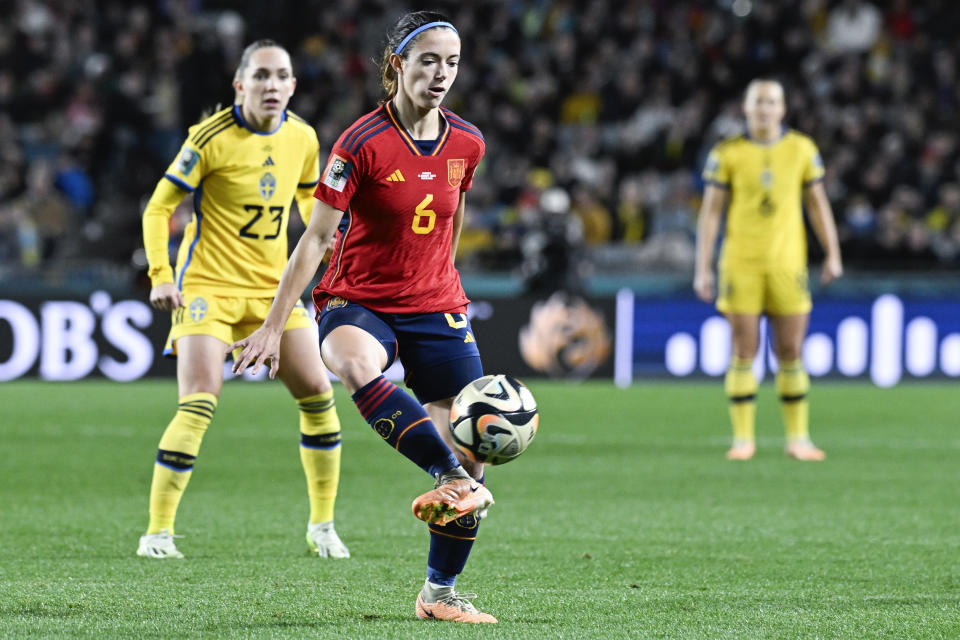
(741, 387)
(320, 453)
(793, 383)
(178, 450)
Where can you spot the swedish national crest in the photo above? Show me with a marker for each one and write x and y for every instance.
(198, 309)
(268, 184)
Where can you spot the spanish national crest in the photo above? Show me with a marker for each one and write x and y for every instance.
(456, 168)
(384, 427)
(336, 303)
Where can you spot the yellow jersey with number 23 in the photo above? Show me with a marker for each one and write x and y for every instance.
(243, 183)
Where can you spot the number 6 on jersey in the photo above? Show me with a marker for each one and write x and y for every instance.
(419, 227)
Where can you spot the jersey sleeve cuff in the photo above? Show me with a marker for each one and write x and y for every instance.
(308, 185)
(322, 197)
(161, 275)
(810, 183)
(721, 185)
(180, 183)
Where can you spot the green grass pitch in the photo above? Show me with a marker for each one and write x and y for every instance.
(623, 520)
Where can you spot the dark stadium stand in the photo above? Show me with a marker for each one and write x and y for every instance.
(615, 103)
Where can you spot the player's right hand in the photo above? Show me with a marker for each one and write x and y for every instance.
(704, 285)
(259, 347)
(166, 297)
(832, 269)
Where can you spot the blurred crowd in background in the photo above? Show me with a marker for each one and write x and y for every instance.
(597, 115)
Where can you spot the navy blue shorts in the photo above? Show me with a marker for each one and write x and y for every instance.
(438, 351)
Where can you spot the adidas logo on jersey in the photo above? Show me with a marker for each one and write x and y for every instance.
(268, 161)
(396, 176)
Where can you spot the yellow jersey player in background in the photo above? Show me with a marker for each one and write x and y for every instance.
(762, 179)
(244, 166)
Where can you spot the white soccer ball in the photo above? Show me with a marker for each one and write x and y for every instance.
(494, 419)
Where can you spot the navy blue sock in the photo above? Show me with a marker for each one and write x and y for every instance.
(450, 546)
(405, 425)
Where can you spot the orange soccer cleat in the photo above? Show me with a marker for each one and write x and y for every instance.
(804, 451)
(742, 450)
(450, 605)
(452, 498)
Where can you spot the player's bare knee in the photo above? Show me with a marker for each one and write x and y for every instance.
(788, 353)
(199, 383)
(303, 387)
(744, 349)
(355, 371)
(744, 344)
(744, 353)
(322, 385)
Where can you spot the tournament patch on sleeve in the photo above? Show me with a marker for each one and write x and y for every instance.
(817, 161)
(712, 165)
(337, 173)
(188, 160)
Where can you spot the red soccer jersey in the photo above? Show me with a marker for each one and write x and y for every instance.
(393, 252)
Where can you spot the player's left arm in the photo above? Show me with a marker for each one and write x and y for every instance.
(309, 178)
(305, 200)
(457, 226)
(465, 185)
(821, 218)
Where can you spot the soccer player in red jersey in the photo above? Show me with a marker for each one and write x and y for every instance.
(395, 186)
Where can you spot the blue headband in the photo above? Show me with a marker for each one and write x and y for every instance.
(413, 34)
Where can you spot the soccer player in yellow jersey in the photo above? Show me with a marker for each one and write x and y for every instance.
(244, 166)
(762, 178)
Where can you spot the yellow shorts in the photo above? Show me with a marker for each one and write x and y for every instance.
(226, 318)
(779, 292)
